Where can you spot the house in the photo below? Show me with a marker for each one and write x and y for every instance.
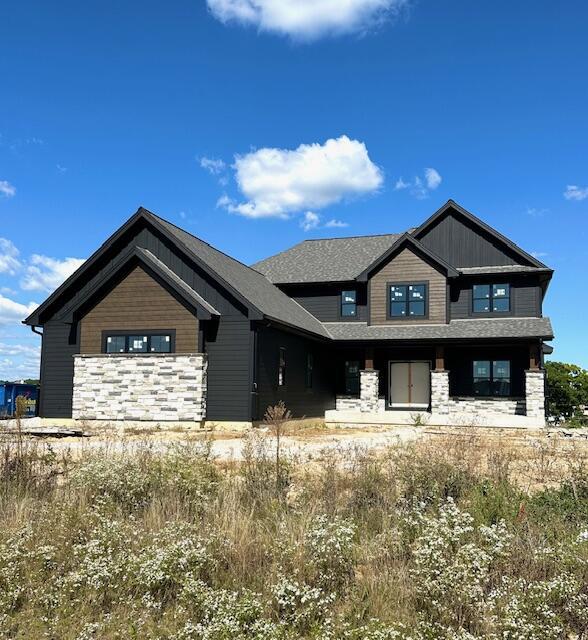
(157, 325)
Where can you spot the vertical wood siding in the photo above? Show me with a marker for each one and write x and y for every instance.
(407, 267)
(462, 245)
(138, 302)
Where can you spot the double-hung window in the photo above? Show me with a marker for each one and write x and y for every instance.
(491, 298)
(348, 304)
(408, 300)
(138, 343)
(491, 378)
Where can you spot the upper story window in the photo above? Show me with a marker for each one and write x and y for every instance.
(138, 343)
(491, 377)
(408, 300)
(282, 367)
(490, 298)
(348, 304)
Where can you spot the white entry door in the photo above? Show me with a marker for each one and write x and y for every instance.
(410, 385)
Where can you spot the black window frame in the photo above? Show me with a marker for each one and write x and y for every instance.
(138, 332)
(416, 283)
(493, 380)
(346, 377)
(491, 286)
(345, 305)
(282, 367)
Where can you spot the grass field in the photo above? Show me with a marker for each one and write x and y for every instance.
(452, 536)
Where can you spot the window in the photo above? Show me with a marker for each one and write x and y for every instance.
(489, 298)
(139, 343)
(309, 368)
(491, 377)
(352, 377)
(408, 300)
(348, 304)
(282, 367)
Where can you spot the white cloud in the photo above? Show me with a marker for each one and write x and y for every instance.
(310, 221)
(6, 189)
(19, 350)
(307, 19)
(539, 254)
(420, 187)
(333, 224)
(574, 192)
(212, 165)
(9, 262)
(46, 274)
(535, 212)
(61, 169)
(12, 312)
(433, 178)
(278, 182)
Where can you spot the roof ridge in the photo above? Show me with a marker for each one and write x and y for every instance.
(373, 235)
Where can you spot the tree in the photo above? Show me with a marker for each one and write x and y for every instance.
(567, 390)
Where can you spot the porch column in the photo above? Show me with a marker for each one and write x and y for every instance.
(440, 384)
(369, 384)
(535, 395)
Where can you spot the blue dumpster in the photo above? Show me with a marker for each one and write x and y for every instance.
(9, 391)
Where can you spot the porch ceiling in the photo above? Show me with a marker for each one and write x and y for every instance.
(455, 330)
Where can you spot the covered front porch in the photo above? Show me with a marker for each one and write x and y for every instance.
(468, 384)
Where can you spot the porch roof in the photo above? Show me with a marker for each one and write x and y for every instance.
(455, 330)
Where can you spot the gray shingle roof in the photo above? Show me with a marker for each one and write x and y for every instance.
(508, 268)
(251, 284)
(455, 330)
(329, 260)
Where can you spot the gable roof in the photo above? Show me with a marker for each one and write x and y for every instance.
(451, 205)
(250, 287)
(326, 260)
(408, 240)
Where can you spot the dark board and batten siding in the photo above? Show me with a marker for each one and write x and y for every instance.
(462, 245)
(300, 400)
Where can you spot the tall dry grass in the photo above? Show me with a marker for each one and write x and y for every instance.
(450, 537)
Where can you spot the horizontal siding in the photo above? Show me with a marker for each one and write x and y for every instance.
(407, 267)
(57, 365)
(324, 301)
(228, 344)
(302, 402)
(138, 302)
(462, 244)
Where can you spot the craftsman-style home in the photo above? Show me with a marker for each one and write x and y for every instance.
(444, 320)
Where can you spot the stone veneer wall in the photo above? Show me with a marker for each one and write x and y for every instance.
(155, 387)
(473, 407)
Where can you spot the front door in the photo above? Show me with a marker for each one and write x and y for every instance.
(410, 385)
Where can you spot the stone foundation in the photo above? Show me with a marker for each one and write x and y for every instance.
(464, 408)
(535, 394)
(162, 387)
(368, 390)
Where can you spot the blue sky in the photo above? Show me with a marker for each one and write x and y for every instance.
(258, 123)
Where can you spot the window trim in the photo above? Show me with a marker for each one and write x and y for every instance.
(282, 364)
(491, 311)
(412, 283)
(139, 332)
(342, 304)
(491, 379)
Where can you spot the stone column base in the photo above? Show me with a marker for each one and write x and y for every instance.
(535, 394)
(440, 392)
(369, 382)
